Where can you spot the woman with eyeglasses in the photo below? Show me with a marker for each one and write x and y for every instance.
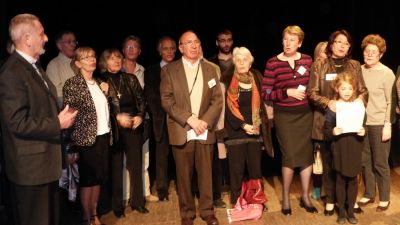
(91, 131)
(379, 80)
(321, 95)
(285, 79)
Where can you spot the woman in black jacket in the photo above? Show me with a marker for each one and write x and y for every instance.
(127, 113)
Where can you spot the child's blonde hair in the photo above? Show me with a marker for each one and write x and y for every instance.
(348, 78)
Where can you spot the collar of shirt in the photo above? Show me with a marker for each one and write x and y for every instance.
(64, 57)
(163, 63)
(27, 57)
(189, 64)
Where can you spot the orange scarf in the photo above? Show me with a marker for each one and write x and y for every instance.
(233, 102)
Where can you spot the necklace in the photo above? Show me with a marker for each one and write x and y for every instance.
(119, 85)
(90, 82)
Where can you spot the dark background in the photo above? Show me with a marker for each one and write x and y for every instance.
(258, 27)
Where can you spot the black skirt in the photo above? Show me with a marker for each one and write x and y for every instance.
(293, 129)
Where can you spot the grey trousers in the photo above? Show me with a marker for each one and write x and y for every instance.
(375, 162)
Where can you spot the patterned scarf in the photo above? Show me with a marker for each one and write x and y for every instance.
(233, 101)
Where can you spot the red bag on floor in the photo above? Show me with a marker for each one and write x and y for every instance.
(249, 205)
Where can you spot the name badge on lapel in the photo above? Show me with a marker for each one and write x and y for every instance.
(212, 83)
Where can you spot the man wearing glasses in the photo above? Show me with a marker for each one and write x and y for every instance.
(191, 96)
(59, 68)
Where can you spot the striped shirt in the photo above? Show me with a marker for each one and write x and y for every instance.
(280, 76)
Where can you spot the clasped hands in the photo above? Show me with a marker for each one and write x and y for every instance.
(199, 126)
(127, 121)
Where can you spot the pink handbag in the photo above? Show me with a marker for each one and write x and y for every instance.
(249, 205)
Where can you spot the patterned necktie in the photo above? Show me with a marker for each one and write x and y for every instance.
(40, 74)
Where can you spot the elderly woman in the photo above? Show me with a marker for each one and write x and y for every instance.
(91, 132)
(285, 79)
(245, 116)
(127, 112)
(321, 94)
(379, 80)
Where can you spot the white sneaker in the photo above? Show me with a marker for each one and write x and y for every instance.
(151, 198)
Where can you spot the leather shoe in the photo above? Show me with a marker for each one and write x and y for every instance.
(341, 220)
(163, 197)
(352, 220)
(186, 221)
(382, 208)
(309, 208)
(119, 214)
(140, 209)
(286, 212)
(211, 220)
(371, 200)
(219, 203)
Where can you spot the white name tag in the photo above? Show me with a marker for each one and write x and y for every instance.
(301, 87)
(212, 83)
(330, 76)
(191, 135)
(301, 70)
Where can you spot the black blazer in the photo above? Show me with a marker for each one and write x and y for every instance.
(152, 94)
(29, 123)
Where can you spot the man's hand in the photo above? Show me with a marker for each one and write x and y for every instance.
(67, 117)
(386, 132)
(361, 132)
(249, 129)
(199, 126)
(337, 131)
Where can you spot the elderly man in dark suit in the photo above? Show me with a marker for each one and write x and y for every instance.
(166, 48)
(31, 126)
(191, 96)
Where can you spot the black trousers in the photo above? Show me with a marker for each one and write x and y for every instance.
(216, 174)
(35, 204)
(329, 175)
(162, 158)
(240, 157)
(346, 192)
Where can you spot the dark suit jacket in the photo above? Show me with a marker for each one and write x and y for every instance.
(152, 94)
(176, 101)
(29, 123)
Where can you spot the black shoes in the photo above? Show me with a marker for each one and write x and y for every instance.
(140, 209)
(219, 203)
(329, 212)
(309, 208)
(163, 197)
(341, 220)
(119, 214)
(358, 210)
(286, 212)
(352, 220)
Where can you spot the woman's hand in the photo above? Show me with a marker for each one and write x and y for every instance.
(296, 93)
(332, 105)
(249, 129)
(104, 87)
(124, 120)
(136, 121)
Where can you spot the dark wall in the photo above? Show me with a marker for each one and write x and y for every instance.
(255, 26)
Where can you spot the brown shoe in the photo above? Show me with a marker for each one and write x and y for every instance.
(371, 200)
(186, 221)
(211, 220)
(382, 208)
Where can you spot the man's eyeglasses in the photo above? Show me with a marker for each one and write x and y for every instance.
(191, 42)
(131, 47)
